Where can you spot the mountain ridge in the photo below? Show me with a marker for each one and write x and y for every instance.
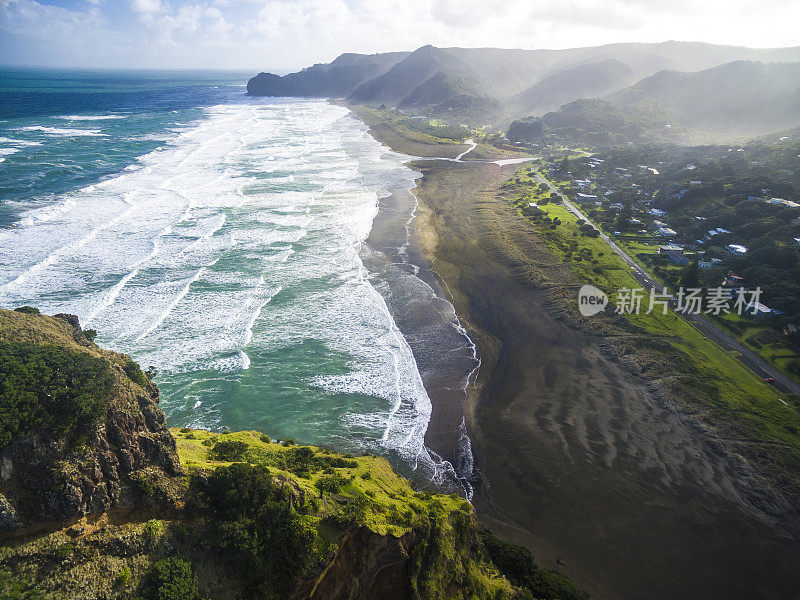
(499, 85)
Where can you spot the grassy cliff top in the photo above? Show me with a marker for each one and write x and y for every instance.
(336, 480)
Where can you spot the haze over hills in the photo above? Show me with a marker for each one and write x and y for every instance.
(698, 89)
(734, 101)
(581, 81)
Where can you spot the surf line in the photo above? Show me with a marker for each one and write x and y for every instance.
(181, 295)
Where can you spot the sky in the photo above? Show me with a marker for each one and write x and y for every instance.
(282, 35)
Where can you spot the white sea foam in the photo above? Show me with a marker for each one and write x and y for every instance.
(238, 240)
(62, 131)
(91, 117)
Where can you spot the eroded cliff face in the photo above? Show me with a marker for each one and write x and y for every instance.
(126, 458)
(366, 565)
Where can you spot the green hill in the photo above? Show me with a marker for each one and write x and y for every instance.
(117, 506)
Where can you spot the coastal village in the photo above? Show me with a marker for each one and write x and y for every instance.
(679, 219)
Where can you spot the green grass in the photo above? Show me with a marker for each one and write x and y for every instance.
(390, 496)
(741, 392)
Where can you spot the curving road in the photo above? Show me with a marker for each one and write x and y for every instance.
(747, 357)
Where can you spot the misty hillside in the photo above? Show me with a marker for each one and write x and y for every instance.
(498, 84)
(582, 81)
(741, 98)
(428, 76)
(730, 102)
(333, 80)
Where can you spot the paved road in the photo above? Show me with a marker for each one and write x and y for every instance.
(747, 357)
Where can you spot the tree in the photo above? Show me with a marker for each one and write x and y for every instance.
(691, 273)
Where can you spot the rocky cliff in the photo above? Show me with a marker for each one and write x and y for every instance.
(121, 457)
(209, 515)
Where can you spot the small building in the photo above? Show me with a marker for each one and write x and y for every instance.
(788, 203)
(756, 309)
(797, 239)
(673, 253)
(710, 264)
(657, 212)
(666, 231)
(737, 249)
(733, 280)
(790, 329)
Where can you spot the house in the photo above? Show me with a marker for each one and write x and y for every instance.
(673, 253)
(616, 206)
(788, 203)
(756, 309)
(797, 239)
(710, 264)
(737, 249)
(733, 280)
(666, 231)
(585, 197)
(695, 182)
(657, 212)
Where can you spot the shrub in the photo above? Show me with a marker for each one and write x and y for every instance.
(289, 442)
(50, 387)
(331, 484)
(28, 310)
(123, 577)
(300, 460)
(170, 579)
(238, 490)
(133, 371)
(352, 514)
(265, 438)
(257, 526)
(90, 334)
(517, 564)
(12, 589)
(152, 529)
(62, 552)
(228, 450)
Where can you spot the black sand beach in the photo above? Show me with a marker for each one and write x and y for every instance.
(578, 460)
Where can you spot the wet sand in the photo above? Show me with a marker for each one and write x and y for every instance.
(580, 462)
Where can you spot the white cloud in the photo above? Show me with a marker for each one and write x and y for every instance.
(147, 8)
(280, 34)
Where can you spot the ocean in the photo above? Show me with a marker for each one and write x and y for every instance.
(221, 239)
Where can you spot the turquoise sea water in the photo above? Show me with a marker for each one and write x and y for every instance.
(218, 238)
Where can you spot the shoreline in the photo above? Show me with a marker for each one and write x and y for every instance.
(582, 463)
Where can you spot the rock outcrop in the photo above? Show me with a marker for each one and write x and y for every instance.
(126, 458)
(367, 565)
